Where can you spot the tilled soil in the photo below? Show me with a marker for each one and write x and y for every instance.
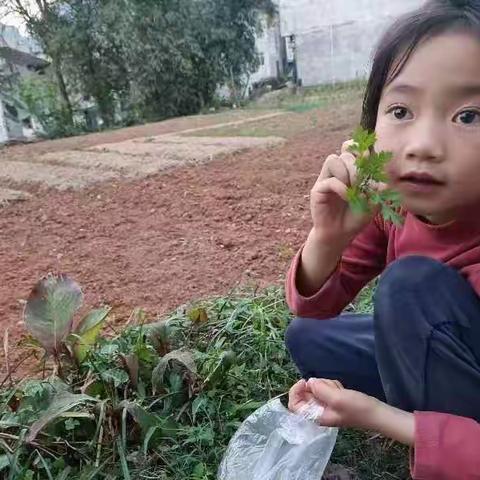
(170, 238)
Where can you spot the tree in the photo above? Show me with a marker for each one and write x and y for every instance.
(156, 58)
(40, 18)
(236, 24)
(94, 52)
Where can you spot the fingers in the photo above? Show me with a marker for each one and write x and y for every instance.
(341, 167)
(297, 394)
(346, 146)
(325, 391)
(331, 185)
(330, 383)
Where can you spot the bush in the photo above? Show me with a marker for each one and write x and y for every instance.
(157, 400)
(40, 95)
(161, 399)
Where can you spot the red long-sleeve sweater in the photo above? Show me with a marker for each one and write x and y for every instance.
(446, 447)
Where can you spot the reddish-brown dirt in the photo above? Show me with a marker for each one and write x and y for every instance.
(168, 239)
(113, 136)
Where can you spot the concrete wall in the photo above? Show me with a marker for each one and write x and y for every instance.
(270, 49)
(334, 39)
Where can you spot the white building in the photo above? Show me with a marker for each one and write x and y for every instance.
(271, 48)
(19, 56)
(333, 39)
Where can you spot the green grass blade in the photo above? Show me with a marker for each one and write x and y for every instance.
(123, 460)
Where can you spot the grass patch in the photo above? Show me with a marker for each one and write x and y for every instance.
(303, 110)
(310, 98)
(163, 400)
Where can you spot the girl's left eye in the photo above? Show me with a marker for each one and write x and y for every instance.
(467, 117)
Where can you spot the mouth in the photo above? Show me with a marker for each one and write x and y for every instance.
(420, 182)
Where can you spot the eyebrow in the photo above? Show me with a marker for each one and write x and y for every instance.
(403, 88)
(461, 90)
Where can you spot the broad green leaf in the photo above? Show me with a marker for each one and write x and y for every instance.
(183, 358)
(116, 376)
(4, 462)
(153, 427)
(50, 309)
(60, 404)
(159, 336)
(198, 315)
(87, 332)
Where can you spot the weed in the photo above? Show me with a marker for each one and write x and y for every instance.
(158, 400)
(370, 171)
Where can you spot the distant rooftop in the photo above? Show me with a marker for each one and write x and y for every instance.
(11, 37)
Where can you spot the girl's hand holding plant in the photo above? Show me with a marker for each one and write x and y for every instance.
(351, 188)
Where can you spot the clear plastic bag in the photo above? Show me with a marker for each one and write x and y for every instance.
(275, 444)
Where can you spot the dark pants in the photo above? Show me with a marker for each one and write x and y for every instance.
(419, 351)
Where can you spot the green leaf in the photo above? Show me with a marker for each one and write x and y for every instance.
(358, 203)
(182, 358)
(60, 404)
(199, 472)
(154, 428)
(50, 309)
(64, 474)
(363, 140)
(45, 466)
(115, 376)
(87, 332)
(198, 404)
(198, 315)
(371, 171)
(391, 215)
(4, 462)
(226, 361)
(71, 424)
(123, 459)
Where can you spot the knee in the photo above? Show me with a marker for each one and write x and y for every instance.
(407, 275)
(405, 286)
(301, 333)
(295, 335)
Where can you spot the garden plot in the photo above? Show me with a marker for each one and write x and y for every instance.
(8, 195)
(135, 158)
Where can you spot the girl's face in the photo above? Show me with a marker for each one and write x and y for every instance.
(429, 117)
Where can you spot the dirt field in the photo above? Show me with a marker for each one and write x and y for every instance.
(133, 157)
(171, 237)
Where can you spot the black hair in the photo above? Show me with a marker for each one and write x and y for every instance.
(400, 40)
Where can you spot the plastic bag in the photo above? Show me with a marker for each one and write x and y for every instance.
(275, 444)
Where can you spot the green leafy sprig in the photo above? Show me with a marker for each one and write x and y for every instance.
(371, 170)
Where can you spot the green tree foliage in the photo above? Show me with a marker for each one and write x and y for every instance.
(147, 59)
(41, 97)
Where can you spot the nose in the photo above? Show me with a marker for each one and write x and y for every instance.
(426, 142)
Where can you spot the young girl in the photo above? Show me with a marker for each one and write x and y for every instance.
(420, 351)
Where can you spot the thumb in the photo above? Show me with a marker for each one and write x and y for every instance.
(322, 391)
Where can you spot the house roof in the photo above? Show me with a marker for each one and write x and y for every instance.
(18, 57)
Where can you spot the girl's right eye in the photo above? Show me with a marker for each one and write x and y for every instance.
(399, 112)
